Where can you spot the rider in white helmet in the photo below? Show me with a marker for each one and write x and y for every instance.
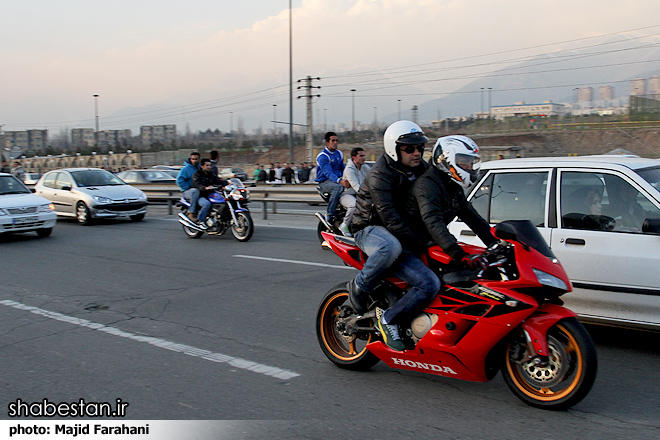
(391, 233)
(441, 198)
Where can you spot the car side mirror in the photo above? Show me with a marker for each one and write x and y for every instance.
(651, 226)
(33, 190)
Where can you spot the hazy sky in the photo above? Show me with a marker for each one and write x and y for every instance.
(199, 60)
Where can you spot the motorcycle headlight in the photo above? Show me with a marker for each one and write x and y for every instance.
(47, 208)
(549, 280)
(102, 199)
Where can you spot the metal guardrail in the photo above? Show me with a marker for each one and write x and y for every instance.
(267, 194)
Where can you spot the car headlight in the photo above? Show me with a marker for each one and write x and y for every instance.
(47, 208)
(549, 280)
(102, 199)
(3, 212)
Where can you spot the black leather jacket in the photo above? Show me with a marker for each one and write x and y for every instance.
(385, 199)
(440, 200)
(202, 179)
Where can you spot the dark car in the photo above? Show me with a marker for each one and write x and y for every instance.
(147, 176)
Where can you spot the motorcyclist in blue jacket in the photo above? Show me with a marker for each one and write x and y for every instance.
(185, 182)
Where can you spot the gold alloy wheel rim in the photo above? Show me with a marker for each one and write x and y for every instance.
(333, 342)
(543, 393)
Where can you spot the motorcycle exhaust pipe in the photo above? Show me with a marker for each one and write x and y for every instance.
(186, 221)
(322, 219)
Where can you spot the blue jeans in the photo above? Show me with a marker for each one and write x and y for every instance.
(192, 195)
(205, 206)
(335, 191)
(385, 252)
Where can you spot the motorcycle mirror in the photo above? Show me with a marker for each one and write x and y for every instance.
(505, 231)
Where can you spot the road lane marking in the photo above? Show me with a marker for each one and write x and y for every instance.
(307, 263)
(157, 342)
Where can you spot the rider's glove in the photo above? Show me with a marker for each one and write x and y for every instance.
(475, 261)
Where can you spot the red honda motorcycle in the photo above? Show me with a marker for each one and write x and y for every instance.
(508, 317)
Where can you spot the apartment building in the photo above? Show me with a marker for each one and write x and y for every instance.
(26, 140)
(165, 134)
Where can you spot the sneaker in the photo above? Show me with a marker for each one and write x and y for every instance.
(345, 231)
(390, 332)
(201, 224)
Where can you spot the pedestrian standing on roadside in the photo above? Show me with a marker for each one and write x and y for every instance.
(214, 161)
(288, 174)
(18, 171)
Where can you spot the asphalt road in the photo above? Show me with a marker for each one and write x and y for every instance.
(214, 329)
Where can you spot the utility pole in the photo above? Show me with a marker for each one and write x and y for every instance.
(309, 138)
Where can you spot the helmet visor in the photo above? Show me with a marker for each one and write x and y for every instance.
(467, 162)
(416, 137)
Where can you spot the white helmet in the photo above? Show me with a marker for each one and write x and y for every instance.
(402, 132)
(458, 156)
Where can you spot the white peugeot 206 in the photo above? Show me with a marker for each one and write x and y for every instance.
(601, 217)
(23, 211)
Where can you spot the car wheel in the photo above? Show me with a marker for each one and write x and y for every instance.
(44, 232)
(83, 215)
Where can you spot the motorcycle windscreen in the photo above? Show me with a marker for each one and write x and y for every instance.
(527, 234)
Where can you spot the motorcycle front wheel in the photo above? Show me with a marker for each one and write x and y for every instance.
(244, 226)
(349, 352)
(567, 376)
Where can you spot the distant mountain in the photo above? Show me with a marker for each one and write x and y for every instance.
(553, 77)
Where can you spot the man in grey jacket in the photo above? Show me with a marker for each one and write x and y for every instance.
(354, 173)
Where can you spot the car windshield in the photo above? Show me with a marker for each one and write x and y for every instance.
(11, 185)
(86, 178)
(652, 176)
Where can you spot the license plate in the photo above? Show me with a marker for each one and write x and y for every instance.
(23, 220)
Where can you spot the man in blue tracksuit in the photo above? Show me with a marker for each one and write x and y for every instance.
(329, 171)
(185, 181)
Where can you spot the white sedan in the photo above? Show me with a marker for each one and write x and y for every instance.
(601, 217)
(23, 211)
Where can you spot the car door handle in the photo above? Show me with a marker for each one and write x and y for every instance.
(577, 241)
(468, 233)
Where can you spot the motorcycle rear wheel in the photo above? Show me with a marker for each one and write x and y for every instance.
(321, 228)
(245, 228)
(568, 376)
(192, 233)
(349, 352)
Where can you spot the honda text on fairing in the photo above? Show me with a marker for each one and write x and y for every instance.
(508, 317)
(228, 211)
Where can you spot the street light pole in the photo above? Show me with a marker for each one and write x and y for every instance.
(290, 82)
(353, 110)
(399, 113)
(274, 120)
(96, 118)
